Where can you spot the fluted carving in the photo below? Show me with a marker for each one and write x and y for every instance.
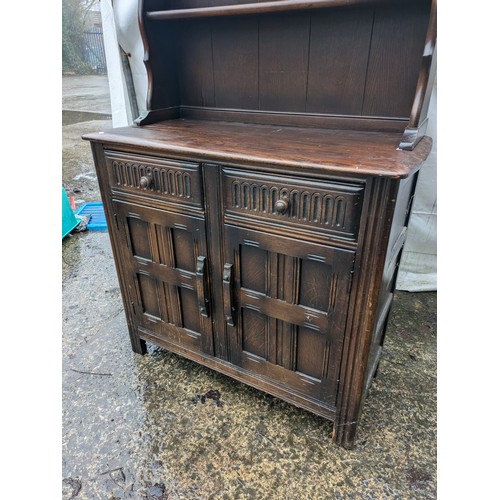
(308, 206)
(169, 181)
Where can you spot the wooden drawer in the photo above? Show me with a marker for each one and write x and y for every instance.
(331, 208)
(163, 179)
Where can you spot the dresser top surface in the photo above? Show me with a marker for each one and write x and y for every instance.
(342, 151)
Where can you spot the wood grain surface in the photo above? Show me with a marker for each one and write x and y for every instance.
(356, 152)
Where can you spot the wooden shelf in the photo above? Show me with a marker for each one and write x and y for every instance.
(254, 8)
(330, 151)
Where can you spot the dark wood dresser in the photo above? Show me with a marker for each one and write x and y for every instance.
(258, 210)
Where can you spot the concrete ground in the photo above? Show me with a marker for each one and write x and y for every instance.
(141, 427)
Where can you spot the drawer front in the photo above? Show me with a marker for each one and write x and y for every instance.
(323, 206)
(159, 178)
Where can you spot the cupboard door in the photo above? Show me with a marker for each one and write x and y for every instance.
(285, 304)
(164, 256)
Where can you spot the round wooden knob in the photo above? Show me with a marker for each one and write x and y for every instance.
(145, 181)
(281, 206)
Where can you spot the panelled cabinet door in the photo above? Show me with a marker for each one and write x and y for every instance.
(165, 259)
(285, 304)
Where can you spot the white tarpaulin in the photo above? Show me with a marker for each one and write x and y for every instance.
(418, 269)
(121, 34)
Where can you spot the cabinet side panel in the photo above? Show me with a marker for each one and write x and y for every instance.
(400, 217)
(369, 267)
(396, 52)
(159, 58)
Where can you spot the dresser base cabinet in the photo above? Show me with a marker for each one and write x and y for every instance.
(278, 275)
(258, 207)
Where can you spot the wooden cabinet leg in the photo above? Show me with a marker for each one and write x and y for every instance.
(138, 345)
(346, 437)
(344, 431)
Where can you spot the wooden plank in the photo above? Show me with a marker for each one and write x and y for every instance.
(253, 269)
(188, 4)
(250, 8)
(340, 44)
(212, 183)
(427, 73)
(283, 62)
(310, 352)
(317, 120)
(277, 374)
(195, 68)
(264, 146)
(315, 276)
(253, 327)
(235, 60)
(159, 58)
(210, 4)
(395, 56)
(279, 309)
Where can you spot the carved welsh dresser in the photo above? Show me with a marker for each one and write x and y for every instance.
(258, 210)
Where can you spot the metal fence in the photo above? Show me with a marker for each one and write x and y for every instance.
(94, 50)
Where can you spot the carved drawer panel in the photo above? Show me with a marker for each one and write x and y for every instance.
(329, 207)
(171, 180)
